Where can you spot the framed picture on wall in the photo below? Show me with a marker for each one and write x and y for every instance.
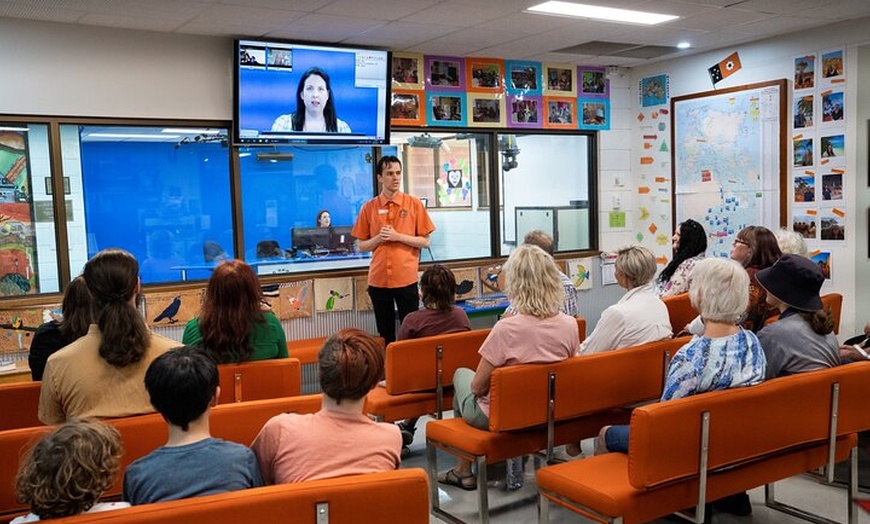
(446, 109)
(525, 111)
(487, 110)
(485, 75)
(445, 73)
(593, 82)
(406, 108)
(523, 78)
(560, 80)
(594, 114)
(406, 71)
(560, 112)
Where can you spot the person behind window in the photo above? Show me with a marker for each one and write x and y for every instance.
(440, 315)
(539, 333)
(323, 219)
(802, 339)
(232, 325)
(67, 471)
(690, 244)
(726, 355)
(213, 252)
(339, 439)
(183, 386)
(101, 373)
(55, 334)
(640, 316)
(315, 107)
(269, 249)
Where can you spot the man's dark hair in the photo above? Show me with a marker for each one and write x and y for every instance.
(385, 161)
(181, 384)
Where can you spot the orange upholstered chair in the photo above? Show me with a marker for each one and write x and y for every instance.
(680, 311)
(260, 379)
(20, 405)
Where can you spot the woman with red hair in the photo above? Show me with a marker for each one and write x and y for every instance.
(233, 325)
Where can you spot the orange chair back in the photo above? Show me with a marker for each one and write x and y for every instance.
(260, 379)
(680, 311)
(20, 405)
(833, 303)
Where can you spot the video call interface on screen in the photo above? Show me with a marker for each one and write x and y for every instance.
(269, 73)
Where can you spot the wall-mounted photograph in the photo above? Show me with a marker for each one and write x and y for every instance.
(445, 73)
(523, 77)
(485, 75)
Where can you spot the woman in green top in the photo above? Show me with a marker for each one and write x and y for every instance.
(232, 326)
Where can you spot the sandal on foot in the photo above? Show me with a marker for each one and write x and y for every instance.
(451, 478)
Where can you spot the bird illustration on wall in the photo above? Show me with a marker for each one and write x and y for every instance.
(464, 287)
(170, 312)
(333, 296)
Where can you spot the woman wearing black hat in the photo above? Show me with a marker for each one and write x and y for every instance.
(802, 339)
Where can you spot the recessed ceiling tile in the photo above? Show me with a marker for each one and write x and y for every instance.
(142, 23)
(778, 25)
(384, 9)
(333, 27)
(720, 19)
(308, 6)
(248, 16)
(41, 12)
(456, 12)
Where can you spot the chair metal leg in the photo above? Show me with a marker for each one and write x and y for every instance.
(543, 509)
(482, 492)
(432, 470)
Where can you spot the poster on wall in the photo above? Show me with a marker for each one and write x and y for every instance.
(168, 309)
(805, 72)
(17, 232)
(453, 179)
(653, 90)
(523, 78)
(525, 111)
(580, 272)
(333, 294)
(296, 300)
(805, 222)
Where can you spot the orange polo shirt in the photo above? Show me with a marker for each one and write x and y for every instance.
(394, 264)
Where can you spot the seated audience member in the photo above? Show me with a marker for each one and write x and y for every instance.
(439, 316)
(571, 304)
(639, 316)
(755, 248)
(183, 385)
(726, 356)
(802, 339)
(232, 325)
(55, 334)
(68, 470)
(213, 252)
(690, 244)
(791, 242)
(101, 373)
(338, 440)
(538, 333)
(269, 249)
(856, 348)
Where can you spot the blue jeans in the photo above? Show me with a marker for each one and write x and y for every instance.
(616, 438)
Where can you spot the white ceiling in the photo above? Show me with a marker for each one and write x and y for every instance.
(497, 28)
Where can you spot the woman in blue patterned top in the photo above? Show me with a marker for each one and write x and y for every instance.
(726, 356)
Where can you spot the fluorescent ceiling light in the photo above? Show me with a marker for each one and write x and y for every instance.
(610, 14)
(20, 129)
(191, 131)
(684, 45)
(132, 135)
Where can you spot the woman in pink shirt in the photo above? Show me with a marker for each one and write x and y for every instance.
(294, 448)
(538, 333)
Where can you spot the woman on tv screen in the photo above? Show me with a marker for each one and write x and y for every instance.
(314, 95)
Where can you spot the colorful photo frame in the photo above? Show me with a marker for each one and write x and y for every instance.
(653, 90)
(523, 77)
(406, 71)
(484, 75)
(560, 112)
(560, 80)
(407, 108)
(526, 112)
(594, 113)
(486, 110)
(592, 82)
(446, 109)
(805, 72)
(445, 73)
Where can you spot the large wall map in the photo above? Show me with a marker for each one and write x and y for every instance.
(729, 166)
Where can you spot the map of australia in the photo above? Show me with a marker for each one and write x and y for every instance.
(725, 178)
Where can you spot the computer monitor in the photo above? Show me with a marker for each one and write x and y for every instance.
(341, 242)
(314, 240)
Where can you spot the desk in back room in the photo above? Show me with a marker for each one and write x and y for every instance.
(284, 265)
(484, 312)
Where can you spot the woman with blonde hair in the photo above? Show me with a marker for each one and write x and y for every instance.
(538, 333)
(68, 470)
(640, 316)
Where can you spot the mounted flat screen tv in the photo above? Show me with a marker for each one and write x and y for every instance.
(310, 93)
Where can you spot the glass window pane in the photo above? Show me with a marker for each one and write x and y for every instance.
(445, 170)
(285, 189)
(28, 249)
(545, 185)
(162, 194)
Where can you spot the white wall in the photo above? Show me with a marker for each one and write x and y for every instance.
(770, 60)
(58, 69)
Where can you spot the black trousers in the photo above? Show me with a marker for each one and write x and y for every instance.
(406, 300)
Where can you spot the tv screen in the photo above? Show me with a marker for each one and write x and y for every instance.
(314, 240)
(310, 93)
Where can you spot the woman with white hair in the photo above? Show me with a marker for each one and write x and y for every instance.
(538, 333)
(726, 356)
(791, 242)
(639, 316)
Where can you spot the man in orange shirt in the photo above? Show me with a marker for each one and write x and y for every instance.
(394, 226)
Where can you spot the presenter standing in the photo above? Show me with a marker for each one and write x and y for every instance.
(394, 226)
